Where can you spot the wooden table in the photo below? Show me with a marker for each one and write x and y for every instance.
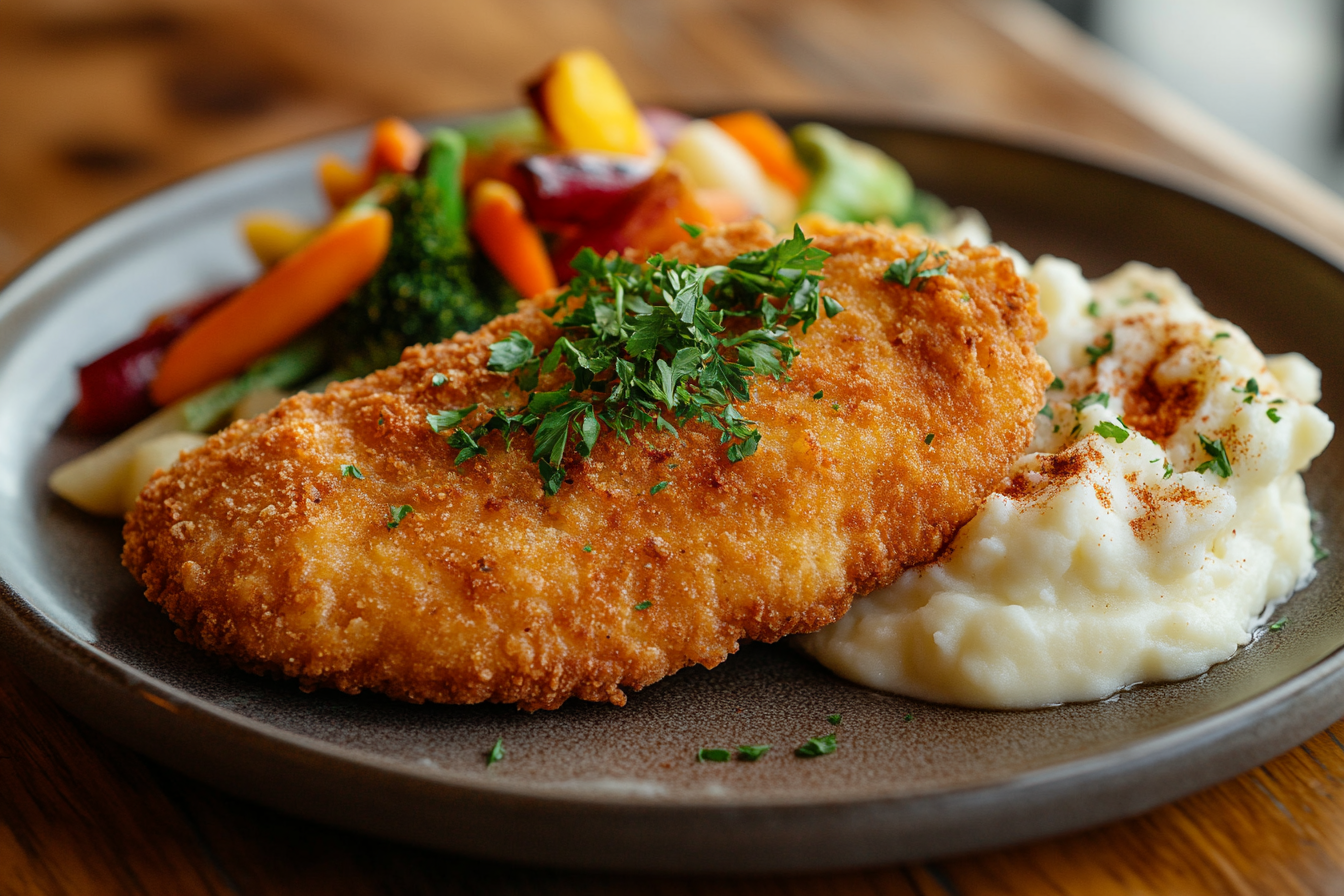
(103, 101)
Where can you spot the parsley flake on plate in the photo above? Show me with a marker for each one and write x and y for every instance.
(399, 512)
(693, 229)
(1278, 626)
(437, 380)
(752, 752)
(928, 439)
(1055, 385)
(1167, 469)
(353, 471)
(712, 754)
(643, 605)
(818, 395)
(587, 549)
(817, 746)
(1217, 336)
(1047, 412)
(1273, 414)
(650, 345)
(657, 487)
(834, 718)
(496, 753)
(1093, 309)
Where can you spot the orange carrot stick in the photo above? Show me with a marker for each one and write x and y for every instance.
(395, 147)
(768, 145)
(289, 298)
(509, 239)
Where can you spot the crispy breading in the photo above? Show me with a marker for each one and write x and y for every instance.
(261, 551)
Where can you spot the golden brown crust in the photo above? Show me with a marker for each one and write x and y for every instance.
(260, 551)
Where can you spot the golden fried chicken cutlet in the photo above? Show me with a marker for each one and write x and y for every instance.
(899, 416)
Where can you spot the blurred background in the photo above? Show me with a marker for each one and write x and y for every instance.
(103, 100)
(1271, 69)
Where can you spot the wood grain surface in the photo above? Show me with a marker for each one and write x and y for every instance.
(103, 100)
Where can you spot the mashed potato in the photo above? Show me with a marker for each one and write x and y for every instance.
(1158, 513)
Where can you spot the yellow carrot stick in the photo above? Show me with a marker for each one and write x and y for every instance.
(509, 239)
(288, 299)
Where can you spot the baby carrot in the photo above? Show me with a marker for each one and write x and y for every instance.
(395, 147)
(509, 239)
(286, 300)
(769, 145)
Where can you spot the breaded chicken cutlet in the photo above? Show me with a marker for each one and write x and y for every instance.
(261, 551)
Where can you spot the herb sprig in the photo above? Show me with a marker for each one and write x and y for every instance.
(650, 344)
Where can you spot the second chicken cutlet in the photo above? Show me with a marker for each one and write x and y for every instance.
(427, 580)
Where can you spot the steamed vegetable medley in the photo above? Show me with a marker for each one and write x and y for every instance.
(440, 233)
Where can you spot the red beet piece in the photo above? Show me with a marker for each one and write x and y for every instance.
(580, 187)
(114, 390)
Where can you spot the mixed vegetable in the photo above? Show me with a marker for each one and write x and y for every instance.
(437, 234)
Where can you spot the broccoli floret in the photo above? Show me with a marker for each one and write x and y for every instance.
(424, 291)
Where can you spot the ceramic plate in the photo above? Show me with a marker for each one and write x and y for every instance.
(599, 786)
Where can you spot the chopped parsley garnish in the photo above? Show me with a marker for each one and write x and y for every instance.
(1217, 336)
(1108, 430)
(928, 439)
(1101, 398)
(712, 754)
(445, 420)
(1152, 297)
(905, 271)
(965, 297)
(752, 752)
(1251, 389)
(1047, 412)
(1057, 384)
(1096, 352)
(818, 395)
(1167, 469)
(817, 746)
(909, 716)
(834, 718)
(1077, 428)
(649, 345)
(693, 229)
(438, 380)
(496, 753)
(1273, 414)
(399, 512)
(835, 405)
(1093, 309)
(1278, 626)
(643, 605)
(352, 471)
(657, 487)
(1321, 553)
(587, 549)
(1217, 461)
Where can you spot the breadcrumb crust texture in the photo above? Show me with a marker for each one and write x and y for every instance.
(261, 552)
